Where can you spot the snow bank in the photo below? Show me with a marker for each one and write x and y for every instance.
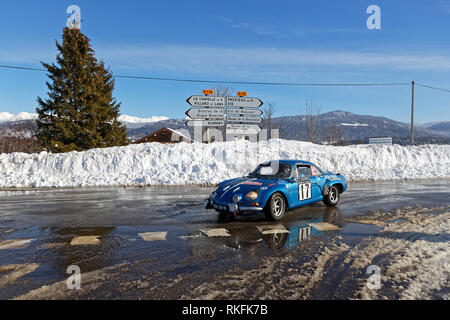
(184, 164)
(413, 254)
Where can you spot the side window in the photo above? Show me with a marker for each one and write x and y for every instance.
(304, 171)
(315, 172)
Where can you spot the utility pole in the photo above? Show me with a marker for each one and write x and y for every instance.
(412, 112)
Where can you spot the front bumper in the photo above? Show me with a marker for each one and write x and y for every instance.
(230, 207)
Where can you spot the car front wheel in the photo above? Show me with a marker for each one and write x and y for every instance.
(332, 197)
(276, 207)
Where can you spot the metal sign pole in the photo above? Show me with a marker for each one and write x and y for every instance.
(412, 112)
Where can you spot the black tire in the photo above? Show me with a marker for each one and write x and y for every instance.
(332, 197)
(276, 207)
(276, 240)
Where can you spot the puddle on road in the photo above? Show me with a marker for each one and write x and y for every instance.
(166, 254)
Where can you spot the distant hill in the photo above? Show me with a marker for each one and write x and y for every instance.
(442, 127)
(354, 128)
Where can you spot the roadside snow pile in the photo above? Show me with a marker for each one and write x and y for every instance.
(186, 164)
(413, 254)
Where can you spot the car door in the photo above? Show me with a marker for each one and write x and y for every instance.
(308, 185)
(317, 182)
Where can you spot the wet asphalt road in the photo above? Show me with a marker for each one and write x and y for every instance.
(185, 256)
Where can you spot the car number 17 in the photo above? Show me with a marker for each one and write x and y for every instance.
(304, 191)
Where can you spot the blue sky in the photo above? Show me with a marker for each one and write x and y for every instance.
(276, 41)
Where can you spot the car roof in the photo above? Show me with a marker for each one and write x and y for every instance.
(294, 162)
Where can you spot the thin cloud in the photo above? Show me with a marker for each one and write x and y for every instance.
(203, 58)
(446, 8)
(242, 62)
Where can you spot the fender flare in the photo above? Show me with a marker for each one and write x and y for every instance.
(328, 184)
(271, 192)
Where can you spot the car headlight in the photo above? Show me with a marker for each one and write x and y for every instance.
(252, 195)
(215, 188)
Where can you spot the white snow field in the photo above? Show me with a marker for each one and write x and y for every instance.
(189, 164)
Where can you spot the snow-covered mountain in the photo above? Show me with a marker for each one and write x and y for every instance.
(126, 119)
(135, 122)
(21, 116)
(354, 127)
(442, 126)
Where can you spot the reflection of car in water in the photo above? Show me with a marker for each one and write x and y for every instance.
(276, 186)
(299, 231)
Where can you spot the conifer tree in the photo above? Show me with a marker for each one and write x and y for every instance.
(80, 112)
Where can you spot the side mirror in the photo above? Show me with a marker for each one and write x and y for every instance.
(292, 180)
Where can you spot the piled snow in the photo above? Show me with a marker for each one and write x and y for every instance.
(413, 254)
(6, 116)
(185, 164)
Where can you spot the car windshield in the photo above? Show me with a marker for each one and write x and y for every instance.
(272, 170)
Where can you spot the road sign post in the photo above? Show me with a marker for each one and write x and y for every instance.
(239, 115)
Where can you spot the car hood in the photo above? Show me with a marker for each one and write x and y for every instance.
(242, 186)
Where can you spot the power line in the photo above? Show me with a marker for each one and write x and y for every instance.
(266, 83)
(21, 68)
(235, 82)
(430, 87)
(249, 82)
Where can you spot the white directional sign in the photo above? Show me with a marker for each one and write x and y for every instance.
(242, 128)
(385, 140)
(206, 101)
(205, 113)
(244, 119)
(252, 112)
(205, 123)
(243, 102)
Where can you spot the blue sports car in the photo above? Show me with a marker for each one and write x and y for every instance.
(276, 186)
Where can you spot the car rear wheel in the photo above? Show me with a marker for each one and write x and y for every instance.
(276, 207)
(332, 197)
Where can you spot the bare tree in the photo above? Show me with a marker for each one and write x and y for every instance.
(268, 112)
(334, 135)
(19, 137)
(312, 112)
(223, 91)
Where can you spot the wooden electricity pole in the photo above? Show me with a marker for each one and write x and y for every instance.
(412, 112)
